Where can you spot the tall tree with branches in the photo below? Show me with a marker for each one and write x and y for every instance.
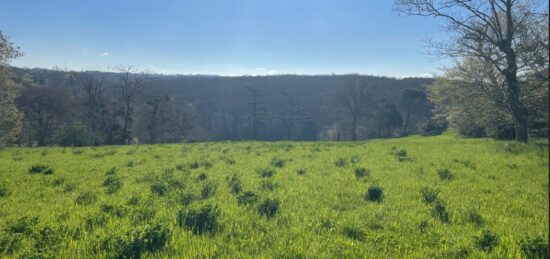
(10, 117)
(503, 33)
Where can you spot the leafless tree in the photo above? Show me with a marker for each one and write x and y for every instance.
(504, 33)
(91, 94)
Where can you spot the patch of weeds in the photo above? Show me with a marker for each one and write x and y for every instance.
(472, 216)
(445, 174)
(361, 172)
(184, 198)
(58, 181)
(269, 207)
(235, 184)
(354, 159)
(265, 172)
(143, 214)
(401, 155)
(277, 162)
(9, 243)
(208, 189)
(133, 201)
(148, 238)
(77, 152)
(466, 163)
(180, 167)
(202, 177)
(40, 169)
(46, 244)
(247, 198)
(439, 211)
(487, 241)
(86, 198)
(429, 195)
(111, 171)
(116, 210)
(340, 162)
(199, 219)
(374, 194)
(130, 163)
(354, 233)
(69, 187)
(301, 171)
(112, 184)
(534, 247)
(268, 185)
(23, 225)
(94, 221)
(159, 188)
(423, 226)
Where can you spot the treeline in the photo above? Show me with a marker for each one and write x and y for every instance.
(127, 106)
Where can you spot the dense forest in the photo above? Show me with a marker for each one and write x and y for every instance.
(129, 106)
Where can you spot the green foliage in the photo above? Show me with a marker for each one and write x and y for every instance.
(86, 198)
(354, 233)
(247, 198)
(41, 169)
(439, 211)
(269, 207)
(148, 238)
(235, 184)
(445, 174)
(429, 195)
(199, 219)
(277, 162)
(534, 247)
(112, 184)
(208, 189)
(487, 241)
(374, 193)
(265, 172)
(361, 172)
(4, 190)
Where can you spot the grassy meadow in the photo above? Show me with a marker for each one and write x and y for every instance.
(413, 197)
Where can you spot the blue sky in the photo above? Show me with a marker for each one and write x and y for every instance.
(224, 37)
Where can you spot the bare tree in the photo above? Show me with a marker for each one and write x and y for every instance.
(91, 88)
(410, 98)
(130, 84)
(258, 110)
(354, 99)
(500, 32)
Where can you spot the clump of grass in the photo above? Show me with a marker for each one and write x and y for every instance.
(143, 214)
(361, 172)
(94, 221)
(487, 241)
(269, 207)
(208, 189)
(534, 247)
(277, 162)
(148, 238)
(9, 243)
(58, 181)
(235, 184)
(133, 201)
(439, 211)
(268, 185)
(159, 188)
(354, 159)
(301, 171)
(354, 233)
(400, 154)
(86, 198)
(69, 187)
(374, 194)
(265, 172)
(445, 174)
(111, 171)
(184, 198)
(23, 225)
(130, 163)
(112, 184)
(423, 226)
(472, 216)
(247, 198)
(202, 177)
(41, 169)
(340, 162)
(4, 190)
(46, 243)
(429, 195)
(199, 219)
(116, 210)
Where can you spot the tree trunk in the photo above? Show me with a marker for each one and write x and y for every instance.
(519, 112)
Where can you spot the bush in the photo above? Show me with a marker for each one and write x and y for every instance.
(208, 189)
(235, 184)
(534, 247)
(429, 195)
(277, 162)
(199, 220)
(269, 207)
(112, 184)
(86, 198)
(445, 174)
(202, 177)
(46, 242)
(361, 172)
(487, 241)
(266, 172)
(41, 169)
(375, 193)
(247, 198)
(439, 211)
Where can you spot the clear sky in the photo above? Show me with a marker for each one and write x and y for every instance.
(224, 37)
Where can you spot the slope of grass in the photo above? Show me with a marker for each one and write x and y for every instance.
(440, 197)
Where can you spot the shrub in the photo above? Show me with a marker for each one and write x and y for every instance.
(208, 189)
(247, 198)
(199, 220)
(301, 171)
(202, 177)
(375, 193)
(534, 247)
(445, 174)
(112, 184)
(340, 162)
(116, 210)
(235, 184)
(265, 172)
(429, 195)
(277, 162)
(41, 169)
(46, 242)
(4, 190)
(354, 233)
(487, 241)
(361, 172)
(159, 188)
(148, 238)
(86, 198)
(439, 211)
(23, 225)
(269, 207)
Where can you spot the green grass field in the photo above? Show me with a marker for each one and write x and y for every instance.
(440, 196)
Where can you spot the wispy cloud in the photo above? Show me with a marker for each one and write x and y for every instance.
(104, 54)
